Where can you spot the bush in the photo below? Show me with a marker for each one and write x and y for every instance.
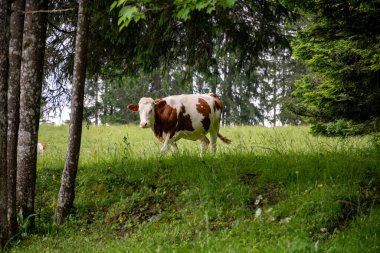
(340, 128)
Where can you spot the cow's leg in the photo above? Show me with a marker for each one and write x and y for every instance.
(214, 137)
(166, 143)
(205, 142)
(169, 141)
(174, 147)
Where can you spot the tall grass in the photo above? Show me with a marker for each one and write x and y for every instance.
(272, 190)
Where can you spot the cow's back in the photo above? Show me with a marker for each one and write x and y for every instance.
(201, 110)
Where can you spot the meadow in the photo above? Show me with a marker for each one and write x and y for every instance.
(273, 190)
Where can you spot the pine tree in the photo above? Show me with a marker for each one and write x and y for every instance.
(340, 95)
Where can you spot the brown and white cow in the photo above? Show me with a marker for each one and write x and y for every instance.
(189, 116)
(41, 146)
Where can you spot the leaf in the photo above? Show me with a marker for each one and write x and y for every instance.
(210, 9)
(228, 3)
(138, 17)
(121, 2)
(121, 20)
(201, 5)
(129, 11)
(125, 24)
(184, 13)
(113, 5)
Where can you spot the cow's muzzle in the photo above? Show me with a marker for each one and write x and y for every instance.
(144, 125)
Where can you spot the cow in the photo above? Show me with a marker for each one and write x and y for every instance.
(187, 116)
(41, 148)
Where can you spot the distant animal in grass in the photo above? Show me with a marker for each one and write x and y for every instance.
(41, 146)
(189, 116)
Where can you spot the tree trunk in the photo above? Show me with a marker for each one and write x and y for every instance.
(4, 42)
(275, 88)
(274, 103)
(96, 81)
(30, 96)
(15, 49)
(105, 101)
(156, 82)
(67, 190)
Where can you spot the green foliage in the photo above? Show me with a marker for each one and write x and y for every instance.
(225, 52)
(340, 47)
(340, 128)
(376, 140)
(246, 29)
(198, 65)
(182, 9)
(25, 224)
(127, 14)
(316, 193)
(228, 51)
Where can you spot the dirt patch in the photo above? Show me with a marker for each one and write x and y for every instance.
(350, 208)
(159, 196)
(249, 178)
(264, 193)
(369, 196)
(221, 223)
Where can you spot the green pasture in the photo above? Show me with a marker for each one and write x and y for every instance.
(272, 190)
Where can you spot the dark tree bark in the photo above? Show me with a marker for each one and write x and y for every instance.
(96, 82)
(67, 190)
(275, 102)
(15, 49)
(4, 42)
(156, 87)
(105, 102)
(30, 95)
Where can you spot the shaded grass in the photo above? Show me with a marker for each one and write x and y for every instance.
(273, 190)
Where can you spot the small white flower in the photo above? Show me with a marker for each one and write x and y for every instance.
(258, 200)
(285, 220)
(270, 209)
(258, 212)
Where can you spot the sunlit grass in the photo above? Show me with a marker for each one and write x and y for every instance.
(129, 140)
(273, 190)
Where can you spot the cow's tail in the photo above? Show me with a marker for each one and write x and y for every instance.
(224, 139)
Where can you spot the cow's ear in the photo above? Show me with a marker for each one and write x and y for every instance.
(133, 107)
(159, 103)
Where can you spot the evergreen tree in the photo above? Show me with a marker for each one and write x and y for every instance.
(340, 94)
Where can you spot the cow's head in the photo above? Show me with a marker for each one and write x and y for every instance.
(145, 107)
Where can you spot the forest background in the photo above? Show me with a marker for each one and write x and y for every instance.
(271, 63)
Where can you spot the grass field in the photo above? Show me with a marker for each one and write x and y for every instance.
(272, 190)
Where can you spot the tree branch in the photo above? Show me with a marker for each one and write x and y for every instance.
(48, 11)
(59, 29)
